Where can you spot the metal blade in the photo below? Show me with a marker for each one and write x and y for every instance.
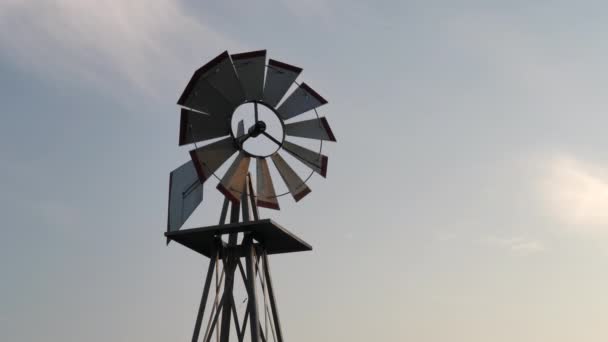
(313, 129)
(266, 196)
(224, 78)
(300, 101)
(295, 184)
(250, 67)
(185, 194)
(234, 181)
(240, 130)
(314, 160)
(241, 137)
(201, 96)
(279, 77)
(207, 159)
(218, 74)
(195, 127)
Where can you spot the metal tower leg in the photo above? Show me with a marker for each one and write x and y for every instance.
(257, 269)
(201, 308)
(251, 289)
(229, 267)
(227, 305)
(273, 302)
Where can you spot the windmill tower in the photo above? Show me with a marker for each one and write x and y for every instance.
(213, 120)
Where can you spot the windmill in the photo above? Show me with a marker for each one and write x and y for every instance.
(212, 120)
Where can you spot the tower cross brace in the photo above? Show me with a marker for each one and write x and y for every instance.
(243, 262)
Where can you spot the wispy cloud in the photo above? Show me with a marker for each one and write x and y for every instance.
(516, 245)
(142, 43)
(576, 193)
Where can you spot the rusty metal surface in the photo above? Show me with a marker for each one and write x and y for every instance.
(295, 184)
(195, 127)
(279, 77)
(303, 99)
(250, 68)
(234, 181)
(266, 196)
(185, 194)
(254, 205)
(312, 159)
(317, 128)
(207, 159)
(245, 196)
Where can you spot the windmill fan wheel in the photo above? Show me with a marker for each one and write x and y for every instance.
(209, 104)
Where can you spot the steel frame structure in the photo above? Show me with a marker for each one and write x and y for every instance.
(239, 246)
(261, 319)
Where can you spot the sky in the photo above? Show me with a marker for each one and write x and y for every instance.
(466, 198)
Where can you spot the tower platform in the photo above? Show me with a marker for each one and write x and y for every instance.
(268, 233)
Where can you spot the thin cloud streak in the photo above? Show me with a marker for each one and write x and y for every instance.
(136, 44)
(516, 245)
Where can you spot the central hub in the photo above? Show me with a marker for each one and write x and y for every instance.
(257, 129)
(261, 137)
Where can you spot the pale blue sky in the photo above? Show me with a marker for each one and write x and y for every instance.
(466, 199)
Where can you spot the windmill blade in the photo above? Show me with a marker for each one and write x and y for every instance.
(317, 128)
(266, 196)
(250, 67)
(214, 83)
(207, 159)
(233, 182)
(295, 184)
(224, 78)
(279, 77)
(240, 130)
(317, 162)
(300, 101)
(185, 194)
(201, 96)
(241, 137)
(195, 127)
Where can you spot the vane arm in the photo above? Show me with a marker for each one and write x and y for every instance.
(241, 139)
(255, 105)
(272, 138)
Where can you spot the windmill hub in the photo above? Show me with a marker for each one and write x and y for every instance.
(257, 129)
(262, 131)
